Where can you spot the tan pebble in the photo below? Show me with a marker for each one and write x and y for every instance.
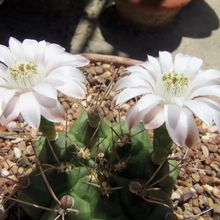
(69, 117)
(208, 188)
(216, 192)
(217, 209)
(215, 165)
(20, 170)
(22, 145)
(199, 188)
(98, 70)
(204, 128)
(34, 132)
(106, 66)
(217, 139)
(213, 148)
(216, 180)
(202, 201)
(206, 179)
(92, 71)
(29, 150)
(69, 111)
(187, 214)
(200, 218)
(196, 210)
(106, 74)
(17, 140)
(175, 196)
(14, 169)
(205, 139)
(196, 177)
(28, 171)
(208, 218)
(195, 202)
(205, 151)
(179, 216)
(65, 105)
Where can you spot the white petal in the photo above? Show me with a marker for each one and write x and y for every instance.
(151, 115)
(12, 110)
(30, 109)
(4, 78)
(16, 49)
(181, 125)
(67, 73)
(194, 66)
(52, 50)
(214, 104)
(141, 72)
(129, 93)
(205, 77)
(3, 67)
(46, 89)
(154, 118)
(130, 81)
(73, 89)
(155, 65)
(132, 118)
(213, 90)
(166, 62)
(56, 114)
(181, 63)
(40, 51)
(148, 101)
(5, 56)
(29, 47)
(45, 100)
(7, 95)
(201, 109)
(67, 59)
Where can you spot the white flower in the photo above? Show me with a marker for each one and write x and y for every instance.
(172, 92)
(31, 72)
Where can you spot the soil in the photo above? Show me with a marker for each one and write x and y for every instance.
(197, 191)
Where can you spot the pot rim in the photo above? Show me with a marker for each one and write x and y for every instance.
(166, 4)
(112, 59)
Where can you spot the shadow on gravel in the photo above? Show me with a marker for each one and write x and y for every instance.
(52, 20)
(197, 20)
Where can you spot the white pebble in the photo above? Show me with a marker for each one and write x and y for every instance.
(4, 172)
(17, 152)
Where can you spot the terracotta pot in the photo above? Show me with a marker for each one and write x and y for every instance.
(149, 14)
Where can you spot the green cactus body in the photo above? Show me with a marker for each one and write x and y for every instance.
(107, 170)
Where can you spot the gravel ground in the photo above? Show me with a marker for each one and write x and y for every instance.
(197, 192)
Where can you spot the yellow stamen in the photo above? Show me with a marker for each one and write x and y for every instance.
(175, 83)
(23, 70)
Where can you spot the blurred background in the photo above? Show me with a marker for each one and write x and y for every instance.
(95, 26)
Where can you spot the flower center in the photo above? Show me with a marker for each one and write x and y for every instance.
(26, 75)
(175, 84)
(23, 70)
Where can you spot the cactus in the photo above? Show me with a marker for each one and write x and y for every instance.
(101, 170)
